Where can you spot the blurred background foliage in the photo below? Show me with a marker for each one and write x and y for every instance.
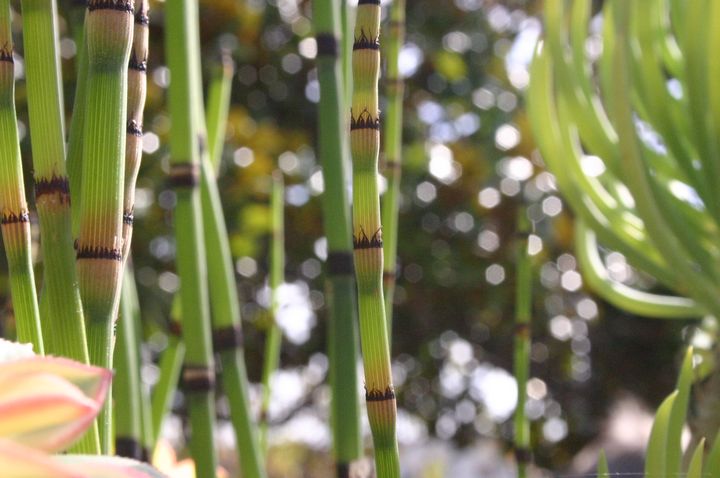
(469, 165)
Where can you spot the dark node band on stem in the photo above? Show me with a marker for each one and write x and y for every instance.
(184, 175)
(118, 5)
(99, 253)
(327, 44)
(340, 263)
(362, 241)
(136, 63)
(379, 395)
(523, 455)
(342, 470)
(55, 185)
(141, 13)
(175, 328)
(522, 330)
(134, 128)
(389, 277)
(128, 218)
(129, 447)
(393, 84)
(198, 378)
(369, 2)
(365, 43)
(13, 218)
(227, 338)
(6, 54)
(391, 166)
(364, 121)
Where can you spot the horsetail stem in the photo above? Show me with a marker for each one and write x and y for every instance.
(137, 89)
(185, 101)
(218, 108)
(14, 216)
(521, 362)
(126, 384)
(61, 310)
(392, 128)
(340, 286)
(225, 304)
(367, 238)
(77, 128)
(273, 338)
(108, 33)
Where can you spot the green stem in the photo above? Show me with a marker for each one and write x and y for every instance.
(14, 218)
(225, 304)
(185, 99)
(218, 109)
(367, 239)
(392, 129)
(273, 339)
(521, 362)
(340, 284)
(170, 368)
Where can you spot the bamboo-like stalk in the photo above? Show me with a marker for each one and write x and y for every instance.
(340, 284)
(273, 338)
(60, 307)
(367, 238)
(225, 304)
(392, 129)
(14, 216)
(109, 32)
(521, 362)
(126, 383)
(137, 91)
(77, 127)
(185, 98)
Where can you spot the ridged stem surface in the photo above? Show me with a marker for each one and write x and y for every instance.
(392, 129)
(340, 283)
(14, 216)
(181, 31)
(109, 32)
(367, 238)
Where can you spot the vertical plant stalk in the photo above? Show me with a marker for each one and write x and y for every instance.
(273, 339)
(225, 304)
(126, 386)
(77, 127)
(521, 362)
(61, 312)
(367, 239)
(218, 108)
(185, 98)
(170, 369)
(392, 128)
(109, 32)
(14, 216)
(340, 284)
(137, 91)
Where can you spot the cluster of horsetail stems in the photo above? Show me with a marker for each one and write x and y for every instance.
(14, 216)
(367, 238)
(198, 374)
(522, 342)
(340, 288)
(225, 304)
(61, 310)
(392, 129)
(273, 337)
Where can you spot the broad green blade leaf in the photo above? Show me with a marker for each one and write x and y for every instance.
(655, 458)
(695, 468)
